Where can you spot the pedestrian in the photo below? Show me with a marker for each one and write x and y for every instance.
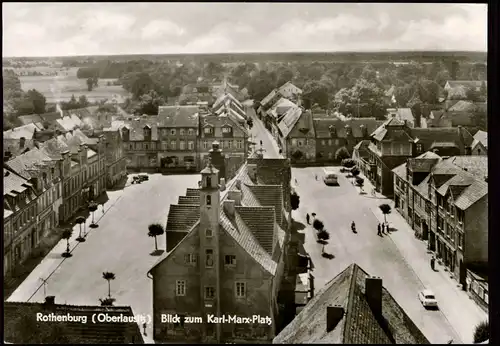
(295, 180)
(383, 228)
(379, 229)
(307, 219)
(316, 176)
(261, 143)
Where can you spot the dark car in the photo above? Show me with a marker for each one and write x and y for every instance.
(143, 177)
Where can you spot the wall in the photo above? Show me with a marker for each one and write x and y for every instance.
(328, 147)
(306, 145)
(476, 232)
(479, 150)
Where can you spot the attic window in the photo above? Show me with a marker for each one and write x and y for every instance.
(226, 129)
(207, 130)
(419, 148)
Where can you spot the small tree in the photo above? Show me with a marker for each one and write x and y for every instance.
(342, 154)
(154, 230)
(294, 200)
(107, 301)
(348, 163)
(318, 225)
(92, 209)
(66, 234)
(80, 220)
(108, 276)
(323, 235)
(386, 209)
(482, 332)
(360, 182)
(250, 123)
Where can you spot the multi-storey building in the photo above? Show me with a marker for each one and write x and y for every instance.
(115, 158)
(178, 136)
(333, 133)
(233, 137)
(446, 202)
(287, 90)
(226, 257)
(228, 104)
(394, 142)
(297, 137)
(20, 207)
(480, 144)
(140, 141)
(275, 114)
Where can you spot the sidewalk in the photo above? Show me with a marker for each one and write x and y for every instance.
(462, 312)
(53, 259)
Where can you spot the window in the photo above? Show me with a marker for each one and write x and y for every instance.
(182, 132)
(222, 144)
(294, 141)
(323, 142)
(230, 260)
(164, 132)
(460, 237)
(486, 298)
(337, 141)
(329, 142)
(440, 223)
(239, 144)
(460, 216)
(207, 130)
(131, 147)
(190, 145)
(180, 288)
(209, 258)
(330, 155)
(209, 292)
(226, 129)
(209, 233)
(172, 131)
(419, 148)
(240, 289)
(146, 147)
(173, 145)
(205, 144)
(182, 145)
(208, 182)
(191, 132)
(190, 258)
(209, 200)
(229, 144)
(299, 143)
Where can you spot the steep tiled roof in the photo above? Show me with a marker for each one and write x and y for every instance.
(182, 217)
(189, 200)
(260, 221)
(136, 129)
(13, 182)
(475, 164)
(289, 120)
(282, 89)
(358, 325)
(481, 137)
(459, 136)
(269, 196)
(20, 321)
(178, 116)
(323, 126)
(14, 146)
(190, 192)
(405, 114)
(74, 140)
(54, 147)
(227, 97)
(462, 106)
(30, 119)
(28, 161)
(25, 131)
(51, 117)
(70, 122)
(268, 98)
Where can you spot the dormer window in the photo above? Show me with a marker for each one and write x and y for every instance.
(208, 182)
(419, 147)
(207, 130)
(209, 200)
(226, 129)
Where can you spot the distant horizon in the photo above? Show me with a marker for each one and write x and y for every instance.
(90, 29)
(253, 52)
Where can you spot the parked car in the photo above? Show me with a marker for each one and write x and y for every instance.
(427, 298)
(143, 177)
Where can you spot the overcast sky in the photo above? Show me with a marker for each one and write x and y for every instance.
(51, 29)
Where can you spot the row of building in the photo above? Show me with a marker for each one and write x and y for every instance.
(49, 175)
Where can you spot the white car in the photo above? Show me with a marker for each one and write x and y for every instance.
(427, 298)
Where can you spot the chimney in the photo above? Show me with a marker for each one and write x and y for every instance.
(252, 171)
(228, 207)
(22, 142)
(373, 293)
(334, 315)
(364, 131)
(222, 184)
(236, 196)
(50, 300)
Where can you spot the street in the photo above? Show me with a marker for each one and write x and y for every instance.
(399, 258)
(259, 133)
(120, 245)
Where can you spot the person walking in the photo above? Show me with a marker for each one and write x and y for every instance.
(379, 228)
(307, 219)
(384, 228)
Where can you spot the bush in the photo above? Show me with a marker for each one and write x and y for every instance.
(318, 225)
(482, 332)
(323, 235)
(348, 163)
(342, 154)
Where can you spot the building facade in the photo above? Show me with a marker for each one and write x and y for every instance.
(141, 145)
(115, 161)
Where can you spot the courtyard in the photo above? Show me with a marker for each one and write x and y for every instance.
(119, 245)
(399, 258)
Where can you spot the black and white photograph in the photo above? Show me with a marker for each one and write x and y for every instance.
(245, 172)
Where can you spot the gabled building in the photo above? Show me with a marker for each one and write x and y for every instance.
(287, 90)
(480, 144)
(333, 133)
(353, 308)
(232, 136)
(116, 160)
(140, 141)
(229, 105)
(290, 91)
(474, 84)
(69, 324)
(226, 258)
(178, 137)
(296, 135)
(275, 114)
(394, 142)
(446, 202)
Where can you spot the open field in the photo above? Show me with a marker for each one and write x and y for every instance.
(61, 87)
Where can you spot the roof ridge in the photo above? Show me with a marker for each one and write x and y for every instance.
(350, 298)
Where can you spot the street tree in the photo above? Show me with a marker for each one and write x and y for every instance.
(482, 332)
(154, 230)
(318, 225)
(385, 209)
(66, 234)
(348, 163)
(342, 154)
(149, 103)
(294, 200)
(80, 220)
(39, 101)
(92, 208)
(323, 235)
